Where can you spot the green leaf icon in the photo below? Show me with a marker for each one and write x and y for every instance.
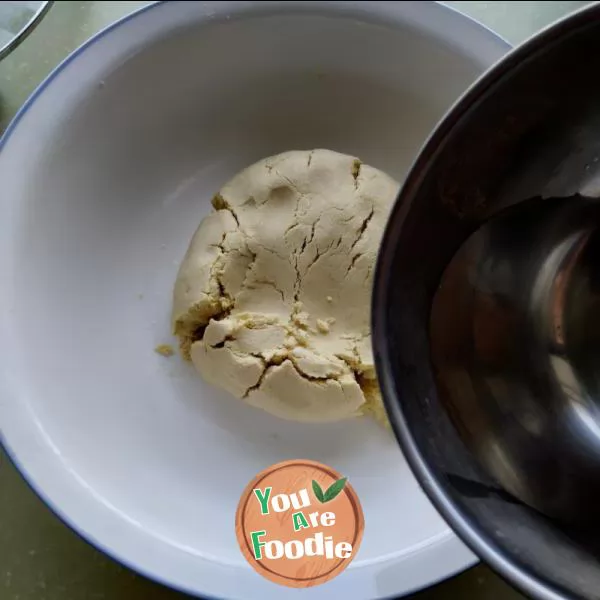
(334, 489)
(318, 491)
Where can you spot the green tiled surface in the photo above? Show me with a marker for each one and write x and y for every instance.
(40, 558)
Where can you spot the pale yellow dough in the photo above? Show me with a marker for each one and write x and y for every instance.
(272, 300)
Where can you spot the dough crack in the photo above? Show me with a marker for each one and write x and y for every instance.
(269, 283)
(331, 248)
(353, 262)
(313, 378)
(356, 165)
(290, 183)
(219, 203)
(249, 269)
(257, 385)
(362, 229)
(270, 366)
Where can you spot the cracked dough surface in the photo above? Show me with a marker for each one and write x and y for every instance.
(272, 299)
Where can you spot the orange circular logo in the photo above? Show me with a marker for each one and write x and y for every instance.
(299, 523)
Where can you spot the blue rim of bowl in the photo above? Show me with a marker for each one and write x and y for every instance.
(460, 523)
(55, 510)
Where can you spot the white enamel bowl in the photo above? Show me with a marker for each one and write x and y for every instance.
(105, 174)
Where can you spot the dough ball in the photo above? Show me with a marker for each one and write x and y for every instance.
(272, 300)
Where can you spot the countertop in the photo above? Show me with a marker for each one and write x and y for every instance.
(40, 558)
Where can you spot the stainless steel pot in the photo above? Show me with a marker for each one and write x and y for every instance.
(491, 441)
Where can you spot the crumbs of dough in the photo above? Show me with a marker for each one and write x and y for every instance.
(322, 326)
(165, 350)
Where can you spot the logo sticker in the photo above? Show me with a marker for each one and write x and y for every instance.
(299, 523)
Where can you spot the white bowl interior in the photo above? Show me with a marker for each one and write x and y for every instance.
(108, 175)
